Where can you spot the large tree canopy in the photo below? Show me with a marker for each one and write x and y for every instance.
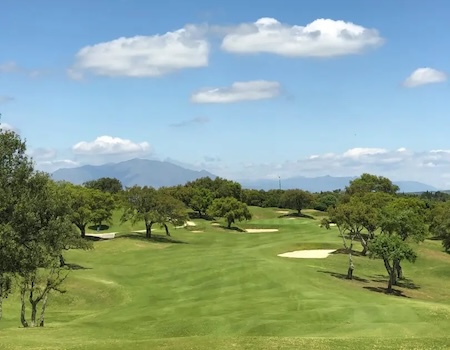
(231, 209)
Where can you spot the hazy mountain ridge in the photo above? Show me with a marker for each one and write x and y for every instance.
(162, 173)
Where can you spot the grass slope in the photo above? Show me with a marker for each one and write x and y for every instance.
(228, 290)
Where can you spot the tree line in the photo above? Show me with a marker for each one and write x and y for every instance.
(41, 218)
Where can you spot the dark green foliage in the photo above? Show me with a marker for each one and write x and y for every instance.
(105, 184)
(231, 209)
(296, 199)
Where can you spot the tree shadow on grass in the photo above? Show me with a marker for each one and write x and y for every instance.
(395, 292)
(102, 227)
(76, 267)
(297, 215)
(94, 239)
(155, 238)
(402, 283)
(343, 276)
(344, 251)
(233, 228)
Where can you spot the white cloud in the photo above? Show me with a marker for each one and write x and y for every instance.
(108, 145)
(361, 152)
(238, 91)
(52, 165)
(430, 167)
(144, 56)
(8, 127)
(321, 38)
(423, 76)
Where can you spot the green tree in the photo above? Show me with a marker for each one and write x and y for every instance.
(169, 210)
(405, 217)
(42, 229)
(296, 199)
(440, 223)
(15, 170)
(231, 209)
(139, 205)
(88, 206)
(105, 184)
(392, 249)
(201, 200)
(371, 183)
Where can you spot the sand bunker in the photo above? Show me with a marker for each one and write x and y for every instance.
(282, 211)
(308, 254)
(215, 224)
(258, 230)
(196, 231)
(190, 223)
(110, 235)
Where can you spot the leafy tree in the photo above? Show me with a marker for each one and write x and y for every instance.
(42, 229)
(404, 217)
(231, 209)
(139, 205)
(296, 199)
(153, 207)
(15, 169)
(105, 184)
(325, 200)
(220, 187)
(392, 249)
(88, 206)
(371, 183)
(201, 200)
(273, 198)
(440, 223)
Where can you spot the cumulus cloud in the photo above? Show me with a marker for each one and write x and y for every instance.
(238, 91)
(144, 56)
(320, 38)
(108, 145)
(424, 76)
(189, 122)
(430, 167)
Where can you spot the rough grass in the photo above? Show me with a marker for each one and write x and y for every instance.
(224, 289)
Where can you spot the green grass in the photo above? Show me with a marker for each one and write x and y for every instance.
(222, 289)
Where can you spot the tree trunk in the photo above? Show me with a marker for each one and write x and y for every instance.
(33, 314)
(23, 320)
(351, 267)
(62, 262)
(229, 223)
(44, 305)
(299, 212)
(82, 230)
(148, 230)
(365, 245)
(167, 230)
(399, 271)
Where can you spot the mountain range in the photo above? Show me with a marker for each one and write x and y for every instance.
(158, 174)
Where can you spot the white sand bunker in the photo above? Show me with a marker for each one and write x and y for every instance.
(282, 211)
(190, 223)
(215, 224)
(110, 235)
(259, 230)
(308, 254)
(196, 231)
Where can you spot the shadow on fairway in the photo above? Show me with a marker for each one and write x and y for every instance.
(155, 238)
(238, 229)
(402, 283)
(343, 276)
(395, 292)
(102, 227)
(344, 251)
(296, 215)
(77, 267)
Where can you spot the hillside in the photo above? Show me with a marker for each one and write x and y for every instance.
(157, 174)
(133, 172)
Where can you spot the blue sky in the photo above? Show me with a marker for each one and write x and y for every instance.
(244, 89)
